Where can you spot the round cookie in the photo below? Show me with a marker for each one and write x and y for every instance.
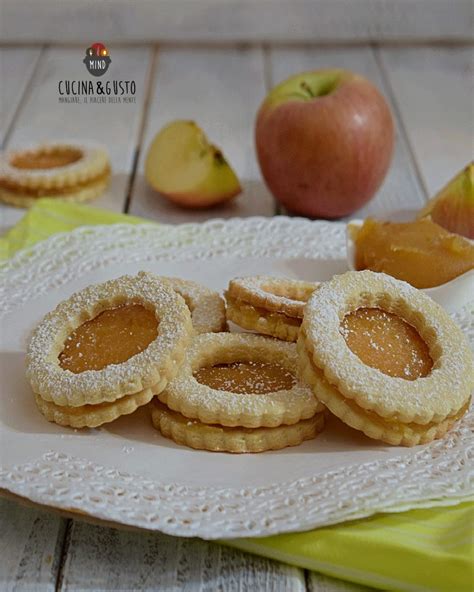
(206, 306)
(268, 305)
(239, 379)
(385, 358)
(71, 171)
(92, 416)
(217, 438)
(118, 342)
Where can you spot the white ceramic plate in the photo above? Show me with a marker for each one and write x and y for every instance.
(128, 473)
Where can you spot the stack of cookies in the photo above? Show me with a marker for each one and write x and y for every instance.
(238, 392)
(385, 358)
(74, 172)
(108, 350)
(377, 353)
(268, 305)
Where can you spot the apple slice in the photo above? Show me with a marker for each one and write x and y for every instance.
(186, 169)
(453, 207)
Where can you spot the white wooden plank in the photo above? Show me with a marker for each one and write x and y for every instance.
(434, 87)
(236, 20)
(102, 558)
(16, 68)
(221, 89)
(30, 548)
(401, 189)
(117, 126)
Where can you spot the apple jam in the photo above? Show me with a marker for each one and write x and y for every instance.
(248, 378)
(46, 159)
(112, 337)
(421, 252)
(385, 341)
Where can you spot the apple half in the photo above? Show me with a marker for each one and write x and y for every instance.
(185, 168)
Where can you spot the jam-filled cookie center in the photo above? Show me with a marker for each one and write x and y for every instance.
(46, 159)
(385, 341)
(112, 337)
(248, 378)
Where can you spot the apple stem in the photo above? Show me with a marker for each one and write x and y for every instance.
(305, 86)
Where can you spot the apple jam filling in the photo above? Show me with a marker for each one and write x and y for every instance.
(46, 159)
(385, 341)
(421, 252)
(248, 378)
(112, 337)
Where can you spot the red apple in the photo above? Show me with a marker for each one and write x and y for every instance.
(324, 142)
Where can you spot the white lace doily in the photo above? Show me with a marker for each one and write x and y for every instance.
(436, 474)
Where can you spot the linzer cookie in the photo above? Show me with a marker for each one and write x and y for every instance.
(70, 171)
(107, 350)
(92, 416)
(269, 305)
(216, 438)
(238, 379)
(206, 306)
(385, 358)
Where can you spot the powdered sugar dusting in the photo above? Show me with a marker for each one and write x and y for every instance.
(384, 341)
(249, 377)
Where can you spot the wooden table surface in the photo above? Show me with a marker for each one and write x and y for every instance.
(430, 89)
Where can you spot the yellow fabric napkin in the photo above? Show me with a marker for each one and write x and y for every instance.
(428, 550)
(50, 216)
